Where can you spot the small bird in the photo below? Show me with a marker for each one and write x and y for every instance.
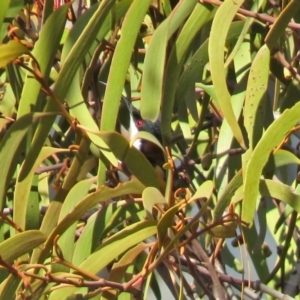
(130, 123)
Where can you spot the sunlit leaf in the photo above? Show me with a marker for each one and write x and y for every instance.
(11, 51)
(216, 46)
(117, 244)
(271, 139)
(20, 244)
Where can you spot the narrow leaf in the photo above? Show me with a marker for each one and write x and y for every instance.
(117, 244)
(20, 244)
(219, 30)
(271, 139)
(120, 62)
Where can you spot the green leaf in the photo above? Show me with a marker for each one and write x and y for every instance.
(68, 293)
(76, 194)
(219, 30)
(200, 59)
(271, 139)
(242, 37)
(68, 70)
(48, 225)
(256, 89)
(225, 198)
(11, 147)
(152, 196)
(11, 51)
(119, 268)
(44, 52)
(226, 163)
(117, 244)
(20, 244)
(279, 27)
(4, 7)
(155, 60)
(8, 287)
(120, 62)
(281, 158)
(74, 97)
(24, 186)
(198, 18)
(276, 190)
(103, 194)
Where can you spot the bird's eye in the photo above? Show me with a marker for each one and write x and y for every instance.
(139, 123)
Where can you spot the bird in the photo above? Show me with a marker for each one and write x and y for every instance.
(130, 122)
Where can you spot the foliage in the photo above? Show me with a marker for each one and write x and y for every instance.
(215, 214)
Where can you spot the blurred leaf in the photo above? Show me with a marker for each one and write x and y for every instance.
(242, 37)
(48, 225)
(11, 51)
(9, 286)
(225, 163)
(200, 59)
(14, 8)
(279, 27)
(226, 196)
(291, 96)
(89, 238)
(68, 292)
(11, 147)
(281, 158)
(74, 97)
(102, 223)
(4, 7)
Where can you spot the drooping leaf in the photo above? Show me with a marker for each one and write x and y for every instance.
(155, 60)
(216, 46)
(120, 62)
(271, 139)
(256, 89)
